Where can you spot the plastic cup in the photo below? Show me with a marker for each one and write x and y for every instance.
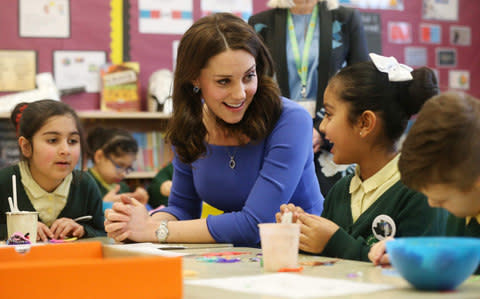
(279, 245)
(23, 222)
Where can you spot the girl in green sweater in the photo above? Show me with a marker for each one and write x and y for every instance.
(367, 108)
(50, 140)
(113, 152)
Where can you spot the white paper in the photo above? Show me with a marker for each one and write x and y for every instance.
(165, 16)
(446, 10)
(290, 285)
(149, 248)
(78, 68)
(44, 18)
(240, 8)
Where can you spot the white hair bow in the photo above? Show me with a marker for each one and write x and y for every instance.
(397, 72)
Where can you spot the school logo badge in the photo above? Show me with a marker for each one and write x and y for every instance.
(383, 227)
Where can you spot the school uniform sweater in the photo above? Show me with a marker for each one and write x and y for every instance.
(83, 199)
(124, 188)
(458, 227)
(408, 209)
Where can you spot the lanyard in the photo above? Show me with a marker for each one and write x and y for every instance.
(302, 66)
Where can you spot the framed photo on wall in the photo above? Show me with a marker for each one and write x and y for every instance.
(446, 57)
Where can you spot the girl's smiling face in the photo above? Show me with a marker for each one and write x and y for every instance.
(54, 151)
(228, 84)
(338, 129)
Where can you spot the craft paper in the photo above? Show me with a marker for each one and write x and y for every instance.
(241, 8)
(78, 68)
(290, 285)
(165, 16)
(44, 18)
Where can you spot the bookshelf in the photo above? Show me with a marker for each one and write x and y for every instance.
(132, 121)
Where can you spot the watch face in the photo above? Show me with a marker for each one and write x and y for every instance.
(162, 232)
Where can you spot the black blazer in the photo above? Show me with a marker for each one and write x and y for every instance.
(271, 26)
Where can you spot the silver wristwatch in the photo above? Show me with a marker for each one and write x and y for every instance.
(162, 232)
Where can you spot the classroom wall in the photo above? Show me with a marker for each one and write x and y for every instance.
(90, 30)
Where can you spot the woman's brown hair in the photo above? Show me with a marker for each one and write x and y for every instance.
(205, 39)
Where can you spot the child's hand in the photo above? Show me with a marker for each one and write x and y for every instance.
(112, 195)
(315, 232)
(378, 253)
(316, 140)
(43, 232)
(288, 208)
(66, 227)
(165, 188)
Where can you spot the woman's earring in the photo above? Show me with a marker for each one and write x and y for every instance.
(360, 133)
(196, 89)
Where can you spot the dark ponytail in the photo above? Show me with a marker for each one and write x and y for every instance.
(364, 87)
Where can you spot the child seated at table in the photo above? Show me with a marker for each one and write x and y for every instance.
(50, 139)
(113, 152)
(441, 158)
(367, 106)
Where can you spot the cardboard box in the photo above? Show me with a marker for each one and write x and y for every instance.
(83, 270)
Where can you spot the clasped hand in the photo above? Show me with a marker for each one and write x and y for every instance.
(128, 219)
(315, 231)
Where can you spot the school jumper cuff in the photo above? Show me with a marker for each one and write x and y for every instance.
(343, 245)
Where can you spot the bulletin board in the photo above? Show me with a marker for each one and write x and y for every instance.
(90, 31)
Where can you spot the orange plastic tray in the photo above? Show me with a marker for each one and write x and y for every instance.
(80, 270)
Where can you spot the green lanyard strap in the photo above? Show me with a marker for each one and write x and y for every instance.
(302, 66)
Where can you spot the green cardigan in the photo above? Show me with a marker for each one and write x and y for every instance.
(124, 188)
(83, 199)
(456, 227)
(408, 209)
(155, 197)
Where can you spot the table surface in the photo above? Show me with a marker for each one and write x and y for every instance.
(195, 268)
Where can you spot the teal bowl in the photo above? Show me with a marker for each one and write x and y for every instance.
(435, 263)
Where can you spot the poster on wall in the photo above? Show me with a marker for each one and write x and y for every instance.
(460, 35)
(446, 57)
(44, 18)
(430, 34)
(17, 70)
(415, 56)
(459, 79)
(372, 25)
(240, 8)
(374, 4)
(74, 69)
(165, 16)
(399, 32)
(444, 10)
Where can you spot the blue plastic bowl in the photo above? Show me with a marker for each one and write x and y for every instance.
(435, 263)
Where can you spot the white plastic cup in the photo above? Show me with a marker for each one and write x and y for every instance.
(279, 245)
(23, 222)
